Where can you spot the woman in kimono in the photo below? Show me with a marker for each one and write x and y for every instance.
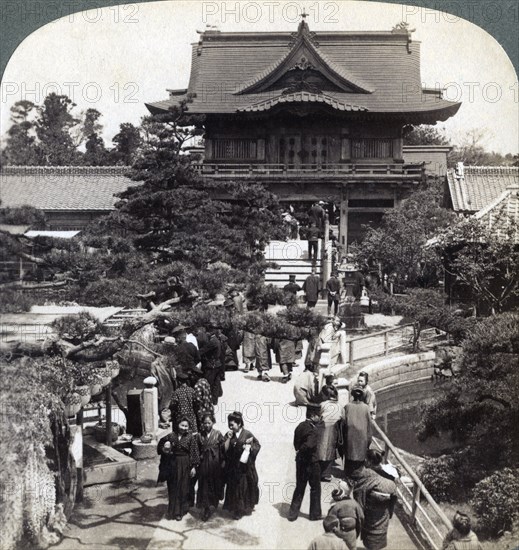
(241, 450)
(377, 497)
(327, 437)
(210, 472)
(183, 402)
(179, 459)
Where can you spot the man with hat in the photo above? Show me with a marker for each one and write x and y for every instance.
(312, 286)
(308, 469)
(356, 431)
(333, 286)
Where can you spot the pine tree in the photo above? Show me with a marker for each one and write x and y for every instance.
(175, 214)
(21, 146)
(127, 142)
(53, 128)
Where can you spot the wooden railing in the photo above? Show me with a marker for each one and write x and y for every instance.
(385, 341)
(377, 171)
(424, 513)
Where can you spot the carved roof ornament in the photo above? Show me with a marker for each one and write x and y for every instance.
(302, 85)
(403, 28)
(303, 31)
(303, 55)
(303, 64)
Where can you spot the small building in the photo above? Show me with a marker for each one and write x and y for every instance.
(314, 116)
(489, 194)
(473, 188)
(69, 196)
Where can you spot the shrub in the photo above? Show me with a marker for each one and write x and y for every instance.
(78, 328)
(496, 502)
(15, 302)
(442, 479)
(112, 292)
(260, 296)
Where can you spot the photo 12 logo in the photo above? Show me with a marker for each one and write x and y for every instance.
(91, 92)
(43, 11)
(254, 12)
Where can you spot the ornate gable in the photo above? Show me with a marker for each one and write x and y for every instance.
(304, 63)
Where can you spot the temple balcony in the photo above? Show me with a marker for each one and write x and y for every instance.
(347, 172)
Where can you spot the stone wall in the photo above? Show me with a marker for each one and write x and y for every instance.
(401, 370)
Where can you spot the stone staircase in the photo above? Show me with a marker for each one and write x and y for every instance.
(291, 258)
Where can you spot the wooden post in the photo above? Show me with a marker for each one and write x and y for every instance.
(343, 222)
(416, 499)
(351, 353)
(386, 343)
(79, 490)
(325, 253)
(386, 446)
(108, 399)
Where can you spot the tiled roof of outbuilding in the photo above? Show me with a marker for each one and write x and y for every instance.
(63, 188)
(386, 64)
(480, 186)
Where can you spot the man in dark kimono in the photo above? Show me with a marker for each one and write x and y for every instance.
(316, 214)
(308, 469)
(186, 353)
(356, 431)
(311, 286)
(377, 497)
(211, 352)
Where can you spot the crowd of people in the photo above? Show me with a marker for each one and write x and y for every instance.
(203, 467)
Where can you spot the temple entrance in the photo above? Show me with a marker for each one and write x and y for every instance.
(358, 214)
(300, 149)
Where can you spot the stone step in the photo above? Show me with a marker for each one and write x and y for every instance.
(293, 269)
(283, 277)
(287, 250)
(302, 262)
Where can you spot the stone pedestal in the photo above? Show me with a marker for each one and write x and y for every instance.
(149, 411)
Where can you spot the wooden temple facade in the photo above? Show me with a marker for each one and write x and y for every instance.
(315, 116)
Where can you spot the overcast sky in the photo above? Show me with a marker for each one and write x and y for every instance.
(116, 59)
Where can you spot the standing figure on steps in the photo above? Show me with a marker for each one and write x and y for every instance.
(312, 286)
(313, 233)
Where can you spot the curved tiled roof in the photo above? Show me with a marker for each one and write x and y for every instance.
(385, 63)
(302, 97)
(304, 42)
(63, 188)
(480, 186)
